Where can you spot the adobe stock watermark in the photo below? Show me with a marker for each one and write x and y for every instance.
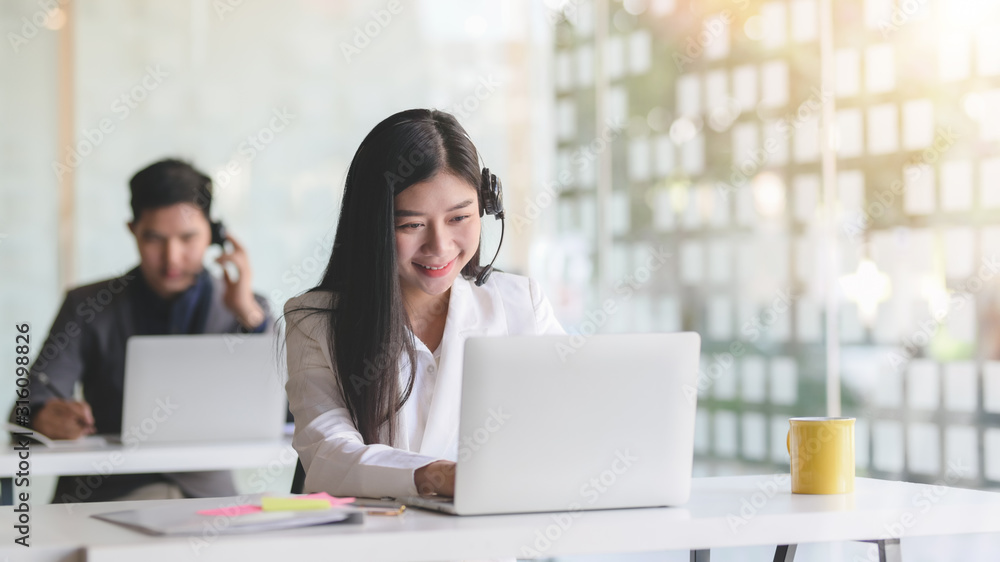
(383, 361)
(225, 7)
(626, 288)
(486, 87)
(132, 438)
(293, 279)
(694, 46)
(470, 443)
(579, 158)
(750, 506)
(254, 144)
(568, 10)
(927, 329)
(855, 227)
(591, 491)
(902, 13)
(757, 325)
(922, 502)
(298, 275)
(86, 312)
(753, 329)
(767, 489)
(404, 167)
(712, 29)
(785, 128)
(32, 25)
(122, 107)
(387, 358)
(365, 34)
(260, 481)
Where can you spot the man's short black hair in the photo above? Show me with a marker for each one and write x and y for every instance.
(169, 182)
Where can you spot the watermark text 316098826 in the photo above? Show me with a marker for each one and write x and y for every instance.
(22, 415)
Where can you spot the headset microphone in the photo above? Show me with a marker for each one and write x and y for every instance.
(490, 203)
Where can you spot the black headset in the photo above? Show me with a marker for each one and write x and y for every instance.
(490, 203)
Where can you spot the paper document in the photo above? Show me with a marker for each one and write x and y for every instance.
(83, 442)
(180, 518)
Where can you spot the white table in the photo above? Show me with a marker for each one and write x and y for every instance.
(723, 512)
(148, 457)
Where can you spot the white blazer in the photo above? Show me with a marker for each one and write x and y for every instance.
(336, 459)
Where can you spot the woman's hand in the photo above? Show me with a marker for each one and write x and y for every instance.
(436, 478)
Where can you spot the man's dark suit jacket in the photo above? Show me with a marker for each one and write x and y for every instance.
(87, 343)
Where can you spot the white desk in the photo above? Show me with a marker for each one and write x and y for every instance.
(119, 459)
(712, 519)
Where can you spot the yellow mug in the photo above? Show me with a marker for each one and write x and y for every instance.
(822, 453)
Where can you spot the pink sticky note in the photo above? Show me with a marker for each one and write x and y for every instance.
(231, 511)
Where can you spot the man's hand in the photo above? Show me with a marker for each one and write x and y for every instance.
(64, 419)
(239, 297)
(435, 478)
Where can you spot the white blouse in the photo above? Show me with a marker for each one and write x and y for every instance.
(419, 404)
(335, 457)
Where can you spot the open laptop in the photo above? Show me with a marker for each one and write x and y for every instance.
(203, 388)
(566, 423)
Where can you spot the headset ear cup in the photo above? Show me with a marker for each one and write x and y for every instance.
(490, 195)
(490, 203)
(496, 198)
(484, 192)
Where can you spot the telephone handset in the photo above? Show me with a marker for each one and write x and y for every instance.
(218, 234)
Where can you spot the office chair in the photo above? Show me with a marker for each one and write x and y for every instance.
(299, 480)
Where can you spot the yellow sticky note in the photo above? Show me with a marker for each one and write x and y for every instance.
(293, 504)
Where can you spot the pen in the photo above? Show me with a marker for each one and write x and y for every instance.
(47, 382)
(381, 506)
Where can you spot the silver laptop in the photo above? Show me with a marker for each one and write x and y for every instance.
(203, 388)
(566, 423)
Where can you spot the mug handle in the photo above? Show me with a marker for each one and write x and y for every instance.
(788, 442)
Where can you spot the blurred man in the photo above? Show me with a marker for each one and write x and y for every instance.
(169, 292)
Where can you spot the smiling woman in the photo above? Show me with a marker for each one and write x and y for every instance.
(435, 237)
(375, 350)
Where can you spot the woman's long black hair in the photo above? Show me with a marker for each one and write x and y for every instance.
(370, 327)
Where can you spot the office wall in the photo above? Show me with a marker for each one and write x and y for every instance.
(271, 99)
